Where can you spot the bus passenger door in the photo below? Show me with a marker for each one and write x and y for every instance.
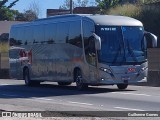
(91, 58)
(90, 51)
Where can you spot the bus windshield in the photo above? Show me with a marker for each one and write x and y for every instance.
(121, 44)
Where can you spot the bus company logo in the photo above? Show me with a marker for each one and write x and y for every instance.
(6, 114)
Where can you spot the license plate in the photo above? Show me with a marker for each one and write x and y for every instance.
(125, 78)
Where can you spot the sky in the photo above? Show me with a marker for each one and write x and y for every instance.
(23, 5)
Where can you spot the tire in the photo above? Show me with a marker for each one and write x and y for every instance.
(122, 86)
(79, 81)
(64, 83)
(27, 79)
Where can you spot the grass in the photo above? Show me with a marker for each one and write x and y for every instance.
(4, 47)
(148, 15)
(125, 10)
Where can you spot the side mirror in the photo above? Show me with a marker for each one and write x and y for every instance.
(97, 41)
(151, 38)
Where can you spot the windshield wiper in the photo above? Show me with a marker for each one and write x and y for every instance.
(130, 50)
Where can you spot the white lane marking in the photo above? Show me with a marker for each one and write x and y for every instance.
(79, 103)
(46, 99)
(3, 84)
(129, 109)
(132, 94)
(41, 98)
(10, 95)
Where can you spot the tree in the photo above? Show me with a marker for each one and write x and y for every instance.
(30, 15)
(12, 4)
(5, 12)
(106, 4)
(3, 2)
(78, 3)
(66, 5)
(82, 3)
(20, 17)
(35, 8)
(132, 1)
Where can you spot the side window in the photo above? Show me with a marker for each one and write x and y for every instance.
(16, 36)
(50, 33)
(13, 38)
(88, 29)
(62, 32)
(75, 34)
(38, 37)
(89, 43)
(20, 35)
(28, 36)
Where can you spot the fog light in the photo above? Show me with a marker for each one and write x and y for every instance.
(102, 79)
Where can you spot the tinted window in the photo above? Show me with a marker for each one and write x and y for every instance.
(38, 37)
(13, 32)
(88, 29)
(121, 44)
(20, 35)
(89, 43)
(75, 34)
(16, 36)
(13, 35)
(50, 33)
(28, 36)
(62, 32)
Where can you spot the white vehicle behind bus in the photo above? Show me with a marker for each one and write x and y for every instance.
(86, 49)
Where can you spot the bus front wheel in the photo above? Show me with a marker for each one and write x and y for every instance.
(64, 83)
(79, 81)
(122, 86)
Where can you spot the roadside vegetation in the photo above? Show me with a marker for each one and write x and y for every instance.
(147, 14)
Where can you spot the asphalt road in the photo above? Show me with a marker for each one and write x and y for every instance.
(15, 96)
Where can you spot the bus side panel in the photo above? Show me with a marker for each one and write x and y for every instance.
(53, 62)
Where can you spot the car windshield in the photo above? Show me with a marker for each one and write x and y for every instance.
(121, 44)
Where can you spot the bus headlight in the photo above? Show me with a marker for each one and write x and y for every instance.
(106, 70)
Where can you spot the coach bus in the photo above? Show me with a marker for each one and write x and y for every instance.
(85, 49)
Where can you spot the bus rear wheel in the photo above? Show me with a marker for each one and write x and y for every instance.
(27, 79)
(122, 86)
(64, 83)
(79, 81)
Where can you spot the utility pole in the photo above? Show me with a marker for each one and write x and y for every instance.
(71, 6)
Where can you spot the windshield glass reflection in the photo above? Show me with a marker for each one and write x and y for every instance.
(121, 44)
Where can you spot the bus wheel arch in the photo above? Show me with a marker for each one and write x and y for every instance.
(27, 79)
(78, 78)
(122, 86)
(24, 69)
(64, 83)
(26, 76)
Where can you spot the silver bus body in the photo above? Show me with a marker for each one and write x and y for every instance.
(55, 49)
